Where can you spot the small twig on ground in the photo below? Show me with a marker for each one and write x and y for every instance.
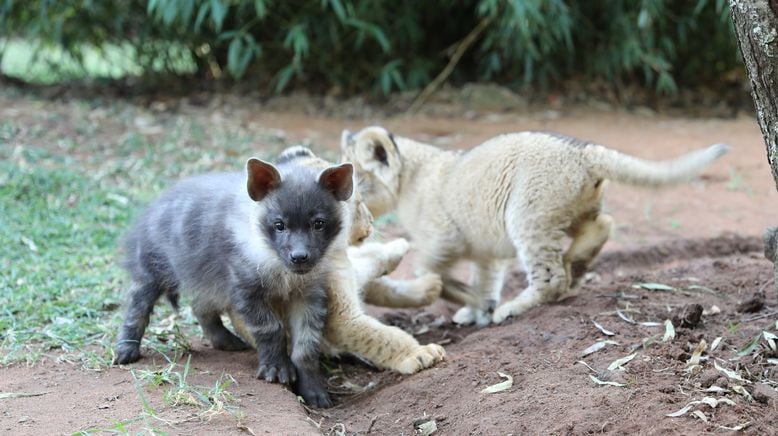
(757, 317)
(458, 53)
(766, 284)
(372, 423)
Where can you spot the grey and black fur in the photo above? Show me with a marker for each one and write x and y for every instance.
(263, 253)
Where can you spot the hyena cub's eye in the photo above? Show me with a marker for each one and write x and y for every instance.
(318, 225)
(279, 226)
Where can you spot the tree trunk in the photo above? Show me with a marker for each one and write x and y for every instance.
(756, 27)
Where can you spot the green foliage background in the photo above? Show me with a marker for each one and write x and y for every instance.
(387, 45)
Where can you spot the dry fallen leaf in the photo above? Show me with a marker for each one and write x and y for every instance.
(729, 373)
(618, 363)
(5, 395)
(426, 428)
(737, 427)
(683, 411)
(770, 338)
(743, 391)
(700, 415)
(29, 243)
(609, 383)
(597, 346)
(653, 287)
(715, 388)
(602, 329)
(715, 343)
(625, 317)
(669, 331)
(499, 387)
(650, 324)
(697, 353)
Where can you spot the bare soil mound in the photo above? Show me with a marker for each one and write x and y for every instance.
(552, 389)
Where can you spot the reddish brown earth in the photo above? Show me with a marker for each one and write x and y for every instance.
(704, 235)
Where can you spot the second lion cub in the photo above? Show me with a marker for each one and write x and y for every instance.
(516, 195)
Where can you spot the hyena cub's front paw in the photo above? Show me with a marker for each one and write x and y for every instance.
(313, 390)
(127, 352)
(424, 356)
(276, 369)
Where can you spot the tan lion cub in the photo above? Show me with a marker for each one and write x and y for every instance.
(348, 328)
(520, 194)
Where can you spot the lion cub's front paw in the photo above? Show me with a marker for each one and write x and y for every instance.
(468, 315)
(422, 357)
(509, 309)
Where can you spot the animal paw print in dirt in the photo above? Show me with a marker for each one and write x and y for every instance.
(420, 358)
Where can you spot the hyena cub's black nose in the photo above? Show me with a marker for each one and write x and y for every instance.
(299, 257)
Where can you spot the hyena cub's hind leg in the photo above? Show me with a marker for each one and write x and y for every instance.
(215, 331)
(588, 239)
(142, 298)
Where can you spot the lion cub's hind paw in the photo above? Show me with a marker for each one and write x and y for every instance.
(395, 250)
(431, 287)
(422, 357)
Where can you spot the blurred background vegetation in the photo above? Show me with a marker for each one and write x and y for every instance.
(379, 47)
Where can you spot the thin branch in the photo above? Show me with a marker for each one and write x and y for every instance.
(433, 86)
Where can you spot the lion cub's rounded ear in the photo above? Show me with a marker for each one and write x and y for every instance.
(339, 180)
(346, 140)
(263, 177)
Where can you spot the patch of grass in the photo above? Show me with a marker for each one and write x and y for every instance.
(59, 282)
(66, 197)
(211, 400)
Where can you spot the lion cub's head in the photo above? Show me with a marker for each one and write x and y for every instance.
(376, 159)
(362, 219)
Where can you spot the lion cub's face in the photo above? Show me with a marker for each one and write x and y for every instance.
(377, 164)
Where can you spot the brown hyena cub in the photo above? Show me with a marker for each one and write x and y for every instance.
(264, 253)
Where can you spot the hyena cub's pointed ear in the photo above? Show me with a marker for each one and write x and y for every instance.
(339, 180)
(263, 177)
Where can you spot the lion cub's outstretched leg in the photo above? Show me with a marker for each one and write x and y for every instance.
(541, 251)
(588, 239)
(373, 260)
(488, 279)
(388, 292)
(350, 329)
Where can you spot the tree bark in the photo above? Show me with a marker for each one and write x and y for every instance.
(756, 27)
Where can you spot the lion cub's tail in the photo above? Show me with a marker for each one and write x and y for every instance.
(619, 167)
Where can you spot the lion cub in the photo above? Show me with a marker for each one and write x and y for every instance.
(516, 195)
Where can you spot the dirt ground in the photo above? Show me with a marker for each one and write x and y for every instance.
(700, 240)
